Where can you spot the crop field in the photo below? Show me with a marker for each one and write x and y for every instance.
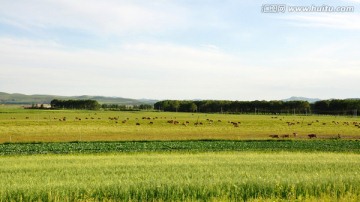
(20, 125)
(73, 155)
(192, 146)
(224, 176)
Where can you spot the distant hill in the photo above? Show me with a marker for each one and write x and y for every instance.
(310, 100)
(17, 98)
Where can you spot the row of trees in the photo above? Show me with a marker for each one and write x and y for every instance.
(75, 104)
(214, 106)
(332, 107)
(337, 107)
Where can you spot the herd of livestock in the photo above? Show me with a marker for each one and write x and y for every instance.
(174, 121)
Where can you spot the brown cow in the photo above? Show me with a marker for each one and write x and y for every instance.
(312, 136)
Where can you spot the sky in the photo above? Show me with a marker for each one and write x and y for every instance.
(180, 49)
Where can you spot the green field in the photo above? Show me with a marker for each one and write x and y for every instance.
(52, 155)
(229, 176)
(344, 146)
(19, 125)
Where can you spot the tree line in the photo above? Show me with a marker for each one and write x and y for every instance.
(337, 107)
(333, 107)
(223, 106)
(75, 104)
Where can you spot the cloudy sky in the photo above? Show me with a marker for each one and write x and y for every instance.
(179, 49)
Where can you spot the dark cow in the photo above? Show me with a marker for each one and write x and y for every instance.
(312, 136)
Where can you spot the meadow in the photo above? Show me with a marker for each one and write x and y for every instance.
(20, 125)
(225, 176)
(72, 155)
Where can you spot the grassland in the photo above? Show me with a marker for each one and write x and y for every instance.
(19, 125)
(70, 155)
(229, 176)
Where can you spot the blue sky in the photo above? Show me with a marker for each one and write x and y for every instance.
(179, 49)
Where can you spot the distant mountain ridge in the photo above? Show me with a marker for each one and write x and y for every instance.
(294, 98)
(17, 98)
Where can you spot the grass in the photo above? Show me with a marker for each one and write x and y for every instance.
(44, 126)
(103, 159)
(348, 146)
(228, 176)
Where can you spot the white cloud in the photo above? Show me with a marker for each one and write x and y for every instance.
(175, 51)
(139, 68)
(170, 71)
(99, 17)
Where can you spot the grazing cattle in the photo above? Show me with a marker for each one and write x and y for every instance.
(312, 136)
(170, 121)
(151, 123)
(219, 120)
(138, 124)
(274, 136)
(27, 117)
(285, 136)
(294, 134)
(235, 124)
